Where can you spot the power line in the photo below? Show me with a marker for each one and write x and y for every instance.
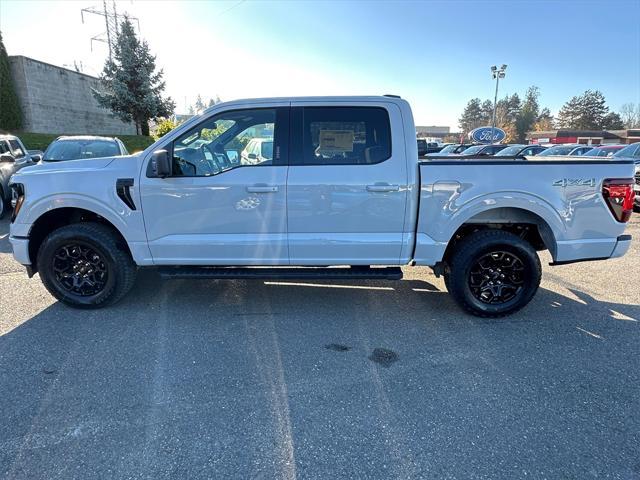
(112, 24)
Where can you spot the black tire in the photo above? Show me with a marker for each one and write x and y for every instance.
(493, 273)
(98, 244)
(3, 204)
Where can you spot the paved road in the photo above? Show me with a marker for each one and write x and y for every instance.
(253, 379)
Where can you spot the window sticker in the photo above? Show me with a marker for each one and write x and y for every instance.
(336, 140)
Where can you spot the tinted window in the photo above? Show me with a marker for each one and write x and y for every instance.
(80, 149)
(16, 149)
(228, 140)
(511, 151)
(449, 149)
(344, 136)
(559, 150)
(472, 150)
(632, 150)
(4, 147)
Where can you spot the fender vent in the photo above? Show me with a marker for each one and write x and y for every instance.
(123, 186)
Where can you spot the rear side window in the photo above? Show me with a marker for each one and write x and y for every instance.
(342, 135)
(16, 149)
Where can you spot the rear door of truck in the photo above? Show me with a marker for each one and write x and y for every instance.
(346, 186)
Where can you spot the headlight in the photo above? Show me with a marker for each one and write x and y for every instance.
(17, 198)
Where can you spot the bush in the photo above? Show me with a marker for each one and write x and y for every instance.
(10, 113)
(164, 127)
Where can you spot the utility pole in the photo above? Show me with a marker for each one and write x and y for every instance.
(497, 74)
(112, 24)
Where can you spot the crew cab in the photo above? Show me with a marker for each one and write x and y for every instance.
(343, 196)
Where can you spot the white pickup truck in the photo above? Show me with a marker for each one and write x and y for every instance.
(338, 194)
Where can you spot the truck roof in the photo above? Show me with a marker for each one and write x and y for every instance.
(326, 99)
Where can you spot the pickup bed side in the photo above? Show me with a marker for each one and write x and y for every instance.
(561, 200)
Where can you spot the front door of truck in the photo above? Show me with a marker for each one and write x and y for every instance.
(347, 184)
(218, 207)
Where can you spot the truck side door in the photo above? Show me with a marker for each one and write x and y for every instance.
(347, 184)
(218, 208)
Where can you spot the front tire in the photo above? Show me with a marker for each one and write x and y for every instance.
(83, 265)
(493, 273)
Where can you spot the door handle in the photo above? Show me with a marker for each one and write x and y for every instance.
(382, 187)
(262, 189)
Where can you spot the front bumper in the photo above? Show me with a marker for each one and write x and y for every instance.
(20, 247)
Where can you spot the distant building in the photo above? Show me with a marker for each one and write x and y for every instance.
(59, 100)
(432, 131)
(586, 137)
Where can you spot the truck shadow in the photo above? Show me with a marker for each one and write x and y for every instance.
(177, 360)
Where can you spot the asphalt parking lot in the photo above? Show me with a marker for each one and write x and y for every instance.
(252, 379)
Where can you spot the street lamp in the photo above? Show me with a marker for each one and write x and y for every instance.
(496, 74)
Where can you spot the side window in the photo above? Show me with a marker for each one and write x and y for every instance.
(344, 135)
(16, 149)
(230, 140)
(4, 147)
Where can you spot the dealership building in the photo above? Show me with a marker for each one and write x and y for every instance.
(586, 137)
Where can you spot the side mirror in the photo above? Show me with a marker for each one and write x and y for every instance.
(6, 158)
(160, 164)
(252, 156)
(36, 157)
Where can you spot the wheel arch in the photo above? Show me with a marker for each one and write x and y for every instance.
(59, 217)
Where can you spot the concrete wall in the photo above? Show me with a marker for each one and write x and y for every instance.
(58, 100)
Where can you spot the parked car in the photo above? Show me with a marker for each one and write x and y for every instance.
(560, 150)
(632, 152)
(581, 150)
(451, 149)
(483, 150)
(258, 150)
(425, 148)
(13, 157)
(603, 151)
(345, 188)
(83, 147)
(520, 151)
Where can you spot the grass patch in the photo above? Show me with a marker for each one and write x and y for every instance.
(40, 141)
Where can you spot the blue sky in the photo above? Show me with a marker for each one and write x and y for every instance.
(436, 54)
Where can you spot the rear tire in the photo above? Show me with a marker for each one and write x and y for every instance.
(493, 273)
(83, 266)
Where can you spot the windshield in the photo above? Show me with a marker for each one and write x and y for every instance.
(559, 150)
(632, 150)
(510, 151)
(448, 149)
(472, 150)
(80, 149)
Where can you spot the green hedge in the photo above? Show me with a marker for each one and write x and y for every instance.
(40, 141)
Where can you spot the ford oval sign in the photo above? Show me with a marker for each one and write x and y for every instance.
(484, 134)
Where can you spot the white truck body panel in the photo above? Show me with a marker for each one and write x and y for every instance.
(333, 214)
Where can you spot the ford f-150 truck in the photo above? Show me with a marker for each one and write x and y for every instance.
(343, 195)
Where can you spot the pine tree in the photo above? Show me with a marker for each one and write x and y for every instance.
(612, 121)
(544, 121)
(584, 112)
(10, 111)
(132, 88)
(528, 115)
(472, 116)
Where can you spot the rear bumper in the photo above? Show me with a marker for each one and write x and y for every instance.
(617, 248)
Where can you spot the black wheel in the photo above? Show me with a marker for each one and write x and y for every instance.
(493, 273)
(82, 265)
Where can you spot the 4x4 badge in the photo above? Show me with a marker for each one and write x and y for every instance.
(575, 182)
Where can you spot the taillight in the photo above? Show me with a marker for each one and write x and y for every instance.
(618, 194)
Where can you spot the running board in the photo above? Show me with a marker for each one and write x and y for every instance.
(282, 273)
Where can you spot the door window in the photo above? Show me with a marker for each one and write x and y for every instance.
(230, 140)
(342, 135)
(16, 149)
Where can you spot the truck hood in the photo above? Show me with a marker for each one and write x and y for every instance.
(69, 166)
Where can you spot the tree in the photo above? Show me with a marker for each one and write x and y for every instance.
(10, 113)
(132, 88)
(163, 127)
(612, 121)
(472, 116)
(630, 115)
(544, 121)
(528, 115)
(584, 112)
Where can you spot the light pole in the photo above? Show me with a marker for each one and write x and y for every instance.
(497, 75)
